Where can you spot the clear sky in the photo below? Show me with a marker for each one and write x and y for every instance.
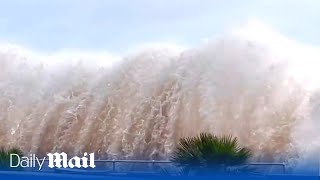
(118, 25)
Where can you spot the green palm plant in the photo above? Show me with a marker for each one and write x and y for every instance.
(5, 158)
(207, 153)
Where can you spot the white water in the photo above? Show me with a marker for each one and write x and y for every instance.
(259, 87)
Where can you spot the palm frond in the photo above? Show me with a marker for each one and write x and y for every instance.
(207, 151)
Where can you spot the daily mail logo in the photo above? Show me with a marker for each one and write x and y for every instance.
(56, 160)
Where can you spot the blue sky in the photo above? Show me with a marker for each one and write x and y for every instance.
(118, 25)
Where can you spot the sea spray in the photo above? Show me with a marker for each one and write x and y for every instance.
(140, 107)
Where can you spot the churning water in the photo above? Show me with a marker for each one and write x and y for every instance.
(253, 84)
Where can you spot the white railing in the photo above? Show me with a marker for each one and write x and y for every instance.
(282, 165)
(156, 162)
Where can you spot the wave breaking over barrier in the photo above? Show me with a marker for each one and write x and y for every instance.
(253, 84)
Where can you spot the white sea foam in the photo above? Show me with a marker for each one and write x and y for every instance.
(251, 83)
